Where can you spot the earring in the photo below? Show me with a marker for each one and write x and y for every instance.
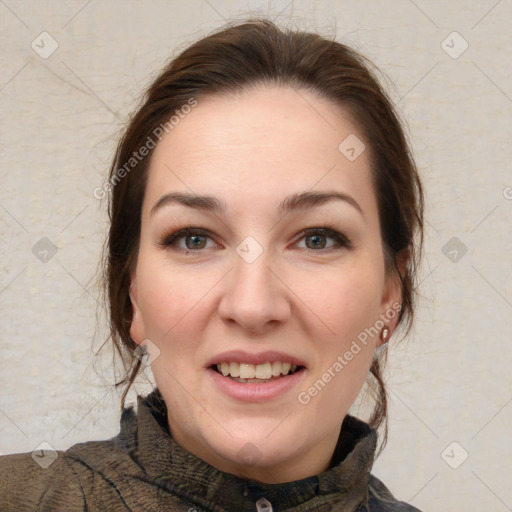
(384, 335)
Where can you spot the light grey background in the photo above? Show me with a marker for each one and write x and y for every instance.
(61, 116)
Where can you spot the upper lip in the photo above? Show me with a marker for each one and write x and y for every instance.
(241, 356)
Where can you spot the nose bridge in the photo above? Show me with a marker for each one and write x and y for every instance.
(252, 272)
(253, 296)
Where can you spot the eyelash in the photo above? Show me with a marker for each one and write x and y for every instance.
(169, 241)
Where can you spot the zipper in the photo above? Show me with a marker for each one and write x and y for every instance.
(263, 505)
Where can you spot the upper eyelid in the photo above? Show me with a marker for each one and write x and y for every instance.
(340, 238)
(186, 231)
(182, 233)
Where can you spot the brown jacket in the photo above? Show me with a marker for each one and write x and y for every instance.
(144, 469)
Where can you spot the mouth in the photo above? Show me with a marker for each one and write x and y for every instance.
(247, 373)
(252, 377)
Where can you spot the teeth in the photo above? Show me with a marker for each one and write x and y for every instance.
(276, 368)
(247, 371)
(259, 371)
(224, 369)
(234, 369)
(263, 371)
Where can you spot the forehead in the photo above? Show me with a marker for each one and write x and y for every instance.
(267, 138)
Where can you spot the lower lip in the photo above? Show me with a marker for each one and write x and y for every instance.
(255, 392)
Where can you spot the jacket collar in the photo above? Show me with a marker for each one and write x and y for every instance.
(185, 474)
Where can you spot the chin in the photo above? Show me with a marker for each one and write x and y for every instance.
(257, 449)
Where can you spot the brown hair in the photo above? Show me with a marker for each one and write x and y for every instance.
(233, 59)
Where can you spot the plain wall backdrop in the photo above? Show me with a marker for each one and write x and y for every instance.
(72, 72)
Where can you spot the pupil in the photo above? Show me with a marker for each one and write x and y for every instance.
(196, 241)
(317, 240)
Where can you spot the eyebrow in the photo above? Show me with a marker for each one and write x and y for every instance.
(206, 203)
(297, 201)
(305, 200)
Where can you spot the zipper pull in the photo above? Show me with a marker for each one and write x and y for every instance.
(263, 505)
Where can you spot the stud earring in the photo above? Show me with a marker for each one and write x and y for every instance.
(384, 335)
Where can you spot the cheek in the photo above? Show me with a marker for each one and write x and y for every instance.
(172, 300)
(346, 308)
(346, 304)
(345, 301)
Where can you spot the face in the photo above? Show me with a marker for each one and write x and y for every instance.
(260, 287)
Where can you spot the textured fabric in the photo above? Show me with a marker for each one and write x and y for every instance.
(144, 469)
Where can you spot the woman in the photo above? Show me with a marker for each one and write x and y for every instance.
(262, 250)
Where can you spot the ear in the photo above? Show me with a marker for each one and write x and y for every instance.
(392, 297)
(137, 328)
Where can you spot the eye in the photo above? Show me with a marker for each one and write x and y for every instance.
(188, 240)
(317, 239)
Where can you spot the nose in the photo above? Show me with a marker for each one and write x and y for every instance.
(254, 297)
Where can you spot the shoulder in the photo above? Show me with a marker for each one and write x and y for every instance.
(71, 480)
(39, 481)
(380, 499)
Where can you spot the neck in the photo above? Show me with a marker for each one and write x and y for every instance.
(268, 469)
